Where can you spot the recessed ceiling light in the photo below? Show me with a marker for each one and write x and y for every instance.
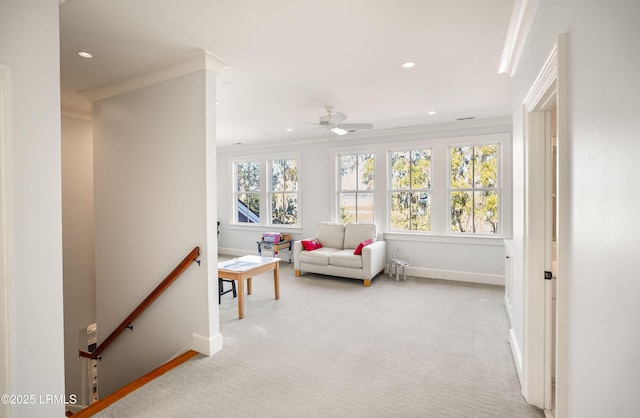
(408, 64)
(289, 130)
(85, 54)
(432, 113)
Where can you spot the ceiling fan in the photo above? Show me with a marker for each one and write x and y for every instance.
(333, 122)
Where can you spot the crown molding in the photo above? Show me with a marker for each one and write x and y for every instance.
(524, 11)
(197, 61)
(544, 89)
(77, 114)
(502, 124)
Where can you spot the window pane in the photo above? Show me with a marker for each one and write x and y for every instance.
(462, 212)
(284, 208)
(365, 207)
(420, 212)
(461, 167)
(365, 172)
(348, 177)
(356, 176)
(248, 208)
(486, 212)
(347, 207)
(400, 210)
(486, 166)
(421, 169)
(400, 170)
(410, 211)
(291, 176)
(284, 175)
(248, 176)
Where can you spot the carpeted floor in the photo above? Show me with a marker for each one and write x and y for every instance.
(334, 348)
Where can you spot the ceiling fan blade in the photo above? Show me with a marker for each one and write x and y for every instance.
(307, 123)
(337, 119)
(350, 126)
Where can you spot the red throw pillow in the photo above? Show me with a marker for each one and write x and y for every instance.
(358, 250)
(311, 244)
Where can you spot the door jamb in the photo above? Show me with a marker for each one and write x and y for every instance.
(549, 87)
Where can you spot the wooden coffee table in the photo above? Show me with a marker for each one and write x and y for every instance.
(245, 268)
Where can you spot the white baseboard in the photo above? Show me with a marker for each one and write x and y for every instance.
(516, 353)
(460, 276)
(508, 310)
(207, 346)
(236, 252)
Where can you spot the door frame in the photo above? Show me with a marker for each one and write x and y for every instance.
(547, 91)
(5, 163)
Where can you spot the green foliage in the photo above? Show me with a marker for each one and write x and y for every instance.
(474, 200)
(411, 181)
(284, 186)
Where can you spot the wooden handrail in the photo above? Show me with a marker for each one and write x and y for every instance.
(193, 255)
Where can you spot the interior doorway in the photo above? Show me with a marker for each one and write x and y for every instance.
(551, 254)
(545, 219)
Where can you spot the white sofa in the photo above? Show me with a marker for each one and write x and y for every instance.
(337, 258)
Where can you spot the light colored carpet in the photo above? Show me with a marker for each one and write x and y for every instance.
(334, 348)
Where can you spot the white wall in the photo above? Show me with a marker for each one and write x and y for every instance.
(29, 46)
(78, 242)
(150, 152)
(436, 257)
(603, 313)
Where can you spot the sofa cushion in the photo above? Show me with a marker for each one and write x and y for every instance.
(318, 257)
(311, 244)
(354, 234)
(331, 235)
(360, 246)
(346, 258)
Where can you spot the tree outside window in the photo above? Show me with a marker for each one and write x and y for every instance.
(356, 191)
(284, 192)
(474, 191)
(411, 190)
(248, 192)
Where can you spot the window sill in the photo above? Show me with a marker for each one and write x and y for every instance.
(444, 239)
(261, 227)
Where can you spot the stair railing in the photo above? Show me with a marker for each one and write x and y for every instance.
(180, 268)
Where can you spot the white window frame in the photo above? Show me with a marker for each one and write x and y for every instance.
(440, 169)
(271, 192)
(390, 190)
(498, 188)
(339, 190)
(266, 216)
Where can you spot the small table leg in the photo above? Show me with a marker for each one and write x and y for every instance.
(276, 280)
(240, 298)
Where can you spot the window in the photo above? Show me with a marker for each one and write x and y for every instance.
(284, 192)
(247, 192)
(427, 187)
(266, 191)
(356, 187)
(473, 189)
(410, 190)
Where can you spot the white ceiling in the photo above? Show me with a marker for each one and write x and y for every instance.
(290, 58)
